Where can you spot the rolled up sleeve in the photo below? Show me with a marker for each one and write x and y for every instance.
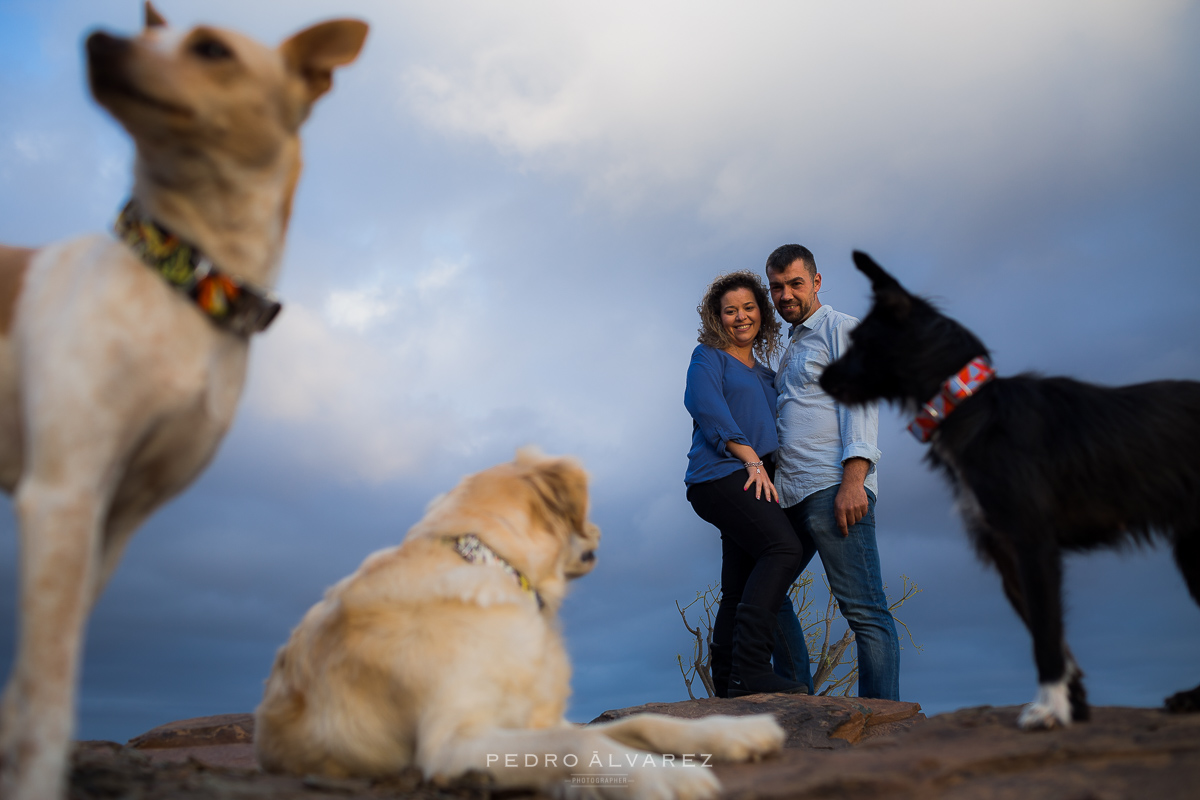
(861, 450)
(705, 401)
(858, 425)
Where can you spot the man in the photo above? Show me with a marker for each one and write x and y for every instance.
(825, 473)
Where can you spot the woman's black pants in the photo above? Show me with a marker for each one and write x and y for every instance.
(760, 552)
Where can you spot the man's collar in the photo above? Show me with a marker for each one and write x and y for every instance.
(810, 321)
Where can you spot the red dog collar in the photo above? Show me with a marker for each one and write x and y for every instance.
(957, 388)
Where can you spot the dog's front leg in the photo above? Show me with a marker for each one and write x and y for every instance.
(1039, 572)
(723, 738)
(569, 761)
(1187, 558)
(1010, 578)
(1059, 700)
(59, 532)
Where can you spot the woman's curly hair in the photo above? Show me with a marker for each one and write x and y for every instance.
(713, 333)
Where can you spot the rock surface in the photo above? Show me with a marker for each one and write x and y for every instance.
(225, 740)
(836, 747)
(980, 754)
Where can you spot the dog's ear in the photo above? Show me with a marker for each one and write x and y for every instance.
(153, 18)
(879, 278)
(315, 52)
(561, 484)
(888, 291)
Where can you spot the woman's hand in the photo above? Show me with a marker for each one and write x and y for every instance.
(758, 477)
(760, 481)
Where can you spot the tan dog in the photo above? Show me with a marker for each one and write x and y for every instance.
(117, 383)
(445, 653)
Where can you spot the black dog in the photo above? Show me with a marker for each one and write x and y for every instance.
(1039, 465)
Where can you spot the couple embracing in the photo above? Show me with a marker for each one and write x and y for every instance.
(785, 473)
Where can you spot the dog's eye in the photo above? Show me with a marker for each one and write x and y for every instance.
(211, 50)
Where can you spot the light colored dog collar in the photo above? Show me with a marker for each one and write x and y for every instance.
(955, 389)
(230, 302)
(476, 552)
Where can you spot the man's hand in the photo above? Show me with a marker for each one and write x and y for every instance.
(851, 503)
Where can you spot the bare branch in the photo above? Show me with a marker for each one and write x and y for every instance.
(686, 681)
(832, 659)
(694, 631)
(910, 589)
(705, 673)
(829, 617)
(831, 656)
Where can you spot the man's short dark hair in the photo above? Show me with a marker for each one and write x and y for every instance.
(784, 255)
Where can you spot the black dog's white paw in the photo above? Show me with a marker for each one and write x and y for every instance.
(1050, 709)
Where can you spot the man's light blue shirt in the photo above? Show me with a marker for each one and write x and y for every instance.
(816, 434)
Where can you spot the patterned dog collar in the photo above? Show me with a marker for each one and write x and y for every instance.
(476, 552)
(231, 303)
(956, 388)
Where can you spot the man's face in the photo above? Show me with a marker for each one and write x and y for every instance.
(794, 293)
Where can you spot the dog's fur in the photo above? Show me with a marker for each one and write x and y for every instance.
(421, 658)
(115, 389)
(1039, 466)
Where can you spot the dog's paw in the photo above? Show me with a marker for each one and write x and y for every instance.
(665, 781)
(742, 738)
(1050, 709)
(1184, 702)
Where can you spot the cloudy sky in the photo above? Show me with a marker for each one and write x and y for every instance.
(508, 214)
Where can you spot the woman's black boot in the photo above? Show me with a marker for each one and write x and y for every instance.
(720, 661)
(753, 641)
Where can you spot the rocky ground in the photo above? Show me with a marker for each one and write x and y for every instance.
(836, 747)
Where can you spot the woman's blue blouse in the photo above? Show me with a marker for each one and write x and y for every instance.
(729, 402)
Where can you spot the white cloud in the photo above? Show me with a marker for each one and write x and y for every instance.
(447, 364)
(437, 277)
(372, 379)
(351, 398)
(358, 309)
(787, 109)
(34, 147)
(380, 298)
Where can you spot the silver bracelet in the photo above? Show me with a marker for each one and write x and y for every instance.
(755, 464)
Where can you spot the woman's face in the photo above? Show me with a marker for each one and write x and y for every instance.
(740, 316)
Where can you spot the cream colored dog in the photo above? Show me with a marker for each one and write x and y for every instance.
(121, 361)
(445, 653)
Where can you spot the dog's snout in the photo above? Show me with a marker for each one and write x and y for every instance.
(106, 57)
(588, 557)
(101, 45)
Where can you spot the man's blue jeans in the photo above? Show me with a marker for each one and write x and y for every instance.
(852, 567)
(790, 658)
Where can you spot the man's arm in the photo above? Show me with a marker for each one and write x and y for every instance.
(859, 426)
(851, 503)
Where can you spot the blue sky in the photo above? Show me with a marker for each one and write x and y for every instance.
(507, 217)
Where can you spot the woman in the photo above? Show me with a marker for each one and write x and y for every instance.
(731, 397)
